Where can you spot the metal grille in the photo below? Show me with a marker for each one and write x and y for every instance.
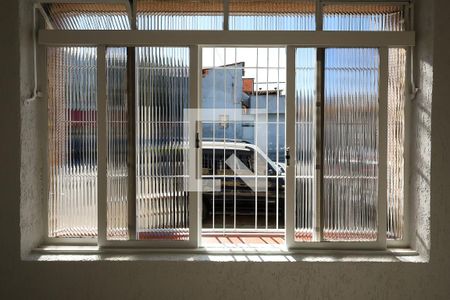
(243, 89)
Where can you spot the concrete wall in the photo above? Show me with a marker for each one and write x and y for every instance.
(201, 280)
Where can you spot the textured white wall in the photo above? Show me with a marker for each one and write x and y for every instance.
(202, 280)
(420, 131)
(32, 132)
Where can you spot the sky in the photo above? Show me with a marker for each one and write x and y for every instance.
(266, 65)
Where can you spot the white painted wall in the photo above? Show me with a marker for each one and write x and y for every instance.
(20, 187)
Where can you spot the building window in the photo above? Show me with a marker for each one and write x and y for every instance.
(301, 135)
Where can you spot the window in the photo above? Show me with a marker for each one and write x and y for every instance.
(207, 119)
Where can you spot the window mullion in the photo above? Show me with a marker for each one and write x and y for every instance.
(129, 7)
(42, 59)
(194, 155)
(382, 145)
(407, 215)
(131, 138)
(102, 184)
(290, 146)
(319, 135)
(319, 15)
(317, 218)
(226, 15)
(409, 226)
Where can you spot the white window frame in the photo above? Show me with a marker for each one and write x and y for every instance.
(195, 40)
(380, 242)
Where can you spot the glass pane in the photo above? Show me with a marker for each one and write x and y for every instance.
(305, 100)
(272, 15)
(350, 145)
(363, 17)
(180, 14)
(84, 16)
(72, 142)
(117, 169)
(162, 95)
(243, 142)
(396, 143)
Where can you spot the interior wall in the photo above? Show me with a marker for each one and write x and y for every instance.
(33, 132)
(200, 280)
(420, 129)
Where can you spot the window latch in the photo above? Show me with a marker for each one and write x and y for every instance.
(288, 156)
(197, 140)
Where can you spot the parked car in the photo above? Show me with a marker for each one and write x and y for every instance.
(247, 185)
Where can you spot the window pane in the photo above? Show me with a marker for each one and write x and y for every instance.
(180, 14)
(272, 15)
(82, 16)
(117, 169)
(305, 99)
(72, 152)
(363, 17)
(350, 144)
(163, 94)
(243, 142)
(396, 142)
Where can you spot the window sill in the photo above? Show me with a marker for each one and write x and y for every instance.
(220, 254)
